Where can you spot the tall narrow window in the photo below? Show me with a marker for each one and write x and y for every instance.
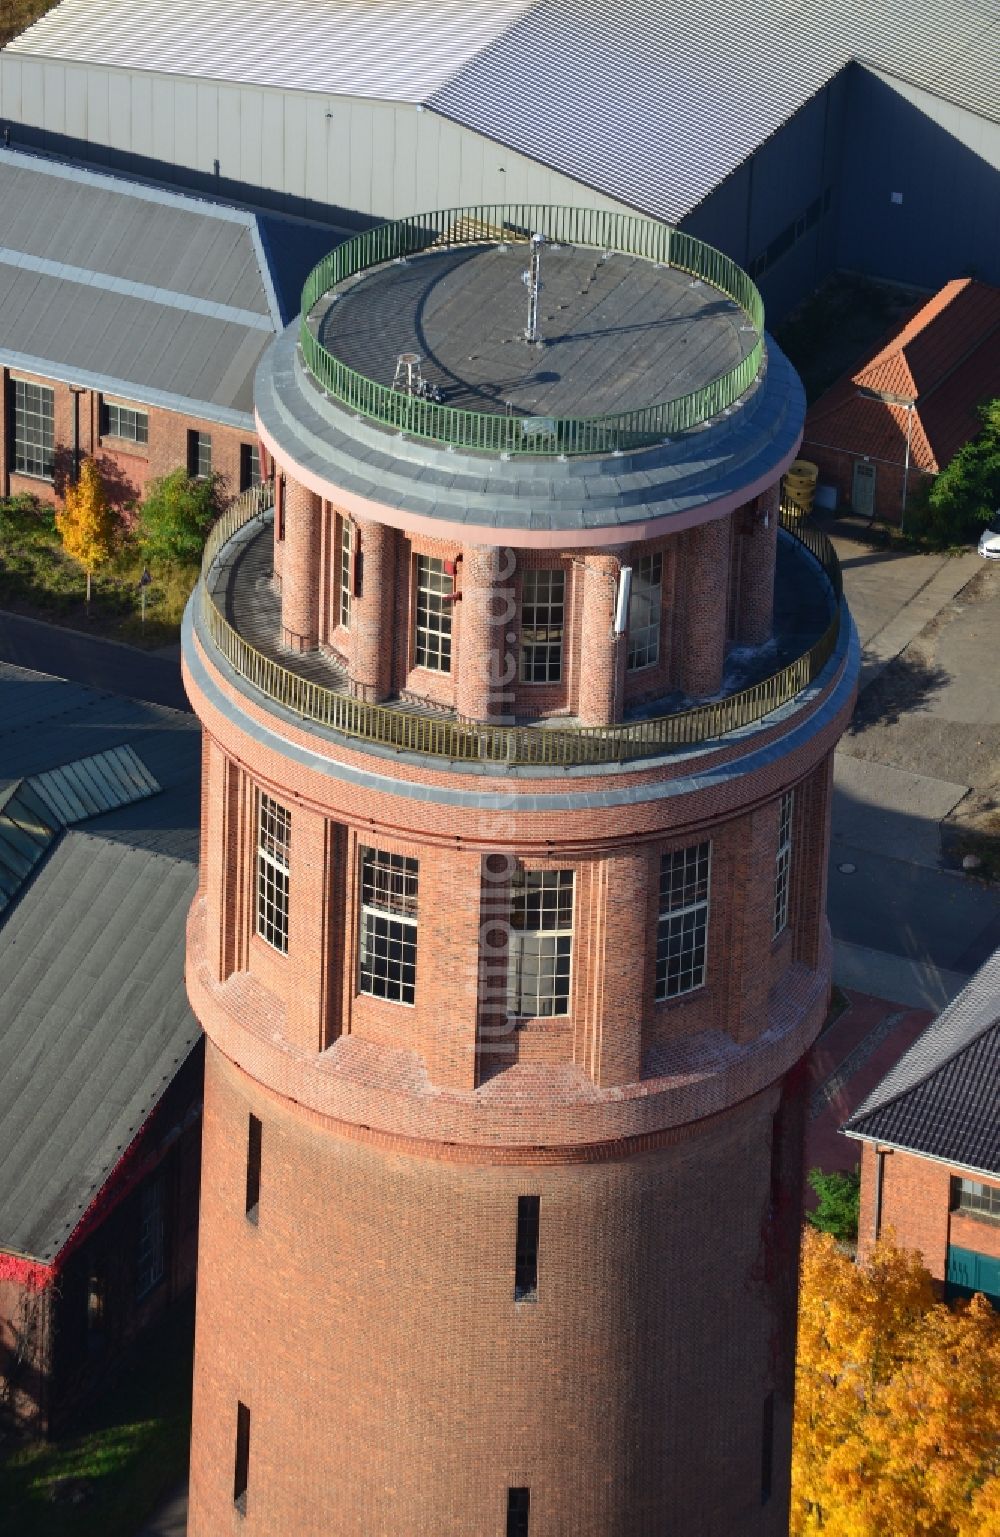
(682, 932)
(388, 926)
(149, 1268)
(540, 945)
(346, 571)
(242, 1473)
(249, 466)
(526, 1253)
(543, 611)
(518, 1502)
(274, 837)
(767, 1449)
(199, 455)
(644, 610)
(783, 862)
(433, 633)
(254, 1131)
(34, 428)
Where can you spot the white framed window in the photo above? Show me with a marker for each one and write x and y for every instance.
(199, 455)
(122, 421)
(543, 613)
(682, 930)
(783, 862)
(540, 946)
(388, 940)
(34, 429)
(975, 1197)
(433, 632)
(346, 572)
(150, 1251)
(249, 466)
(645, 605)
(274, 839)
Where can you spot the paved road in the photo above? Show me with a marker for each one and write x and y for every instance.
(927, 730)
(86, 659)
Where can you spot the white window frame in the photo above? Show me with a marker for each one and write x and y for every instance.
(645, 610)
(975, 1198)
(783, 862)
(151, 1246)
(387, 938)
(683, 924)
(274, 842)
(124, 415)
(34, 429)
(432, 614)
(199, 452)
(540, 957)
(543, 597)
(346, 573)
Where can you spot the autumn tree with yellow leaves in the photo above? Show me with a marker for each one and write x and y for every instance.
(85, 523)
(897, 1408)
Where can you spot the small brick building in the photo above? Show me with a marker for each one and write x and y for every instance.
(904, 414)
(510, 938)
(102, 1081)
(131, 322)
(930, 1134)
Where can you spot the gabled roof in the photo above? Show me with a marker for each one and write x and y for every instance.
(94, 1020)
(153, 296)
(650, 104)
(941, 1099)
(946, 359)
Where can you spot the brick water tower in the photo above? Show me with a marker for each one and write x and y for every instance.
(519, 708)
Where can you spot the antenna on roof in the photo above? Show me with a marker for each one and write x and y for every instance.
(532, 279)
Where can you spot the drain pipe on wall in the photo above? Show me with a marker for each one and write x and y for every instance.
(880, 1156)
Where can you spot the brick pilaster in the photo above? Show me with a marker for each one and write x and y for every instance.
(759, 539)
(487, 667)
(702, 577)
(300, 573)
(602, 652)
(372, 611)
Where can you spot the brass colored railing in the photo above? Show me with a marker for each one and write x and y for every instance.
(459, 741)
(494, 433)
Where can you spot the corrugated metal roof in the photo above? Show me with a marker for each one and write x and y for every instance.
(394, 50)
(654, 105)
(941, 1097)
(94, 1020)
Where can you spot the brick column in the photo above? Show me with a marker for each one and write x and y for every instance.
(702, 576)
(372, 612)
(309, 892)
(487, 661)
(227, 813)
(300, 574)
(279, 526)
(602, 652)
(611, 914)
(755, 613)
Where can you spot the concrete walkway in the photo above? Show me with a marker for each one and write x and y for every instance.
(89, 659)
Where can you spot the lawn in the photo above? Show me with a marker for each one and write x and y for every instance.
(124, 1454)
(38, 578)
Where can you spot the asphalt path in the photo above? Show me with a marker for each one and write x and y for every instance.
(103, 664)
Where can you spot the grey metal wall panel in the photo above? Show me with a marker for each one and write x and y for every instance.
(945, 165)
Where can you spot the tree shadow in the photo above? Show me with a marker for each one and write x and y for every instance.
(122, 493)
(901, 688)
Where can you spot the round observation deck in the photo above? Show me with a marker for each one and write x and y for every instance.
(639, 331)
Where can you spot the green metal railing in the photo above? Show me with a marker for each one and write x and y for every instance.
(459, 741)
(493, 433)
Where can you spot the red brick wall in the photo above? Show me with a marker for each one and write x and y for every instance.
(127, 466)
(916, 1200)
(369, 1323)
(836, 468)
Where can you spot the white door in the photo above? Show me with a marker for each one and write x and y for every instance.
(863, 493)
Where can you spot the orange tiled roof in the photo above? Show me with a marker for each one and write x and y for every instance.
(946, 358)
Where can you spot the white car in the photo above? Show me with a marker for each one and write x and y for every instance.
(989, 543)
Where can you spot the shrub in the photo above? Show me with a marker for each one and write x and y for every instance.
(176, 516)
(839, 1198)
(954, 507)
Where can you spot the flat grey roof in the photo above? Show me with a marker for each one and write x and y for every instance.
(617, 332)
(94, 1021)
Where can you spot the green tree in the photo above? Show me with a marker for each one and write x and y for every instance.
(955, 506)
(839, 1201)
(175, 517)
(85, 522)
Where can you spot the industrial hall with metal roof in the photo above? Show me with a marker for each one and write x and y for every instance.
(798, 138)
